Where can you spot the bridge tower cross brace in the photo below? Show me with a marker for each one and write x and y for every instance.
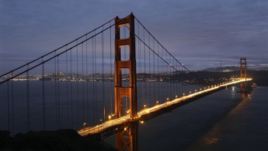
(128, 91)
(243, 67)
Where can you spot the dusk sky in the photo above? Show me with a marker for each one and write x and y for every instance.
(201, 33)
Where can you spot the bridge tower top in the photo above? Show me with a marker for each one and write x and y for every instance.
(243, 67)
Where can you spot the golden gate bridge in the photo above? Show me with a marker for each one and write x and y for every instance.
(115, 74)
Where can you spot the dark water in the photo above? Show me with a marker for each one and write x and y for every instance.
(219, 122)
(222, 121)
(70, 104)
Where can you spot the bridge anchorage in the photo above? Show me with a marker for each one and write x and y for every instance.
(108, 80)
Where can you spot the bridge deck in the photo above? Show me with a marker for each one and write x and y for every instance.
(119, 121)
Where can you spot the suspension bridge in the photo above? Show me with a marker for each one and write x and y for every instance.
(112, 75)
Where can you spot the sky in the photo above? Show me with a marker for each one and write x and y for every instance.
(201, 33)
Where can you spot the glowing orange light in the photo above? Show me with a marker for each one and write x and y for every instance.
(128, 111)
(84, 124)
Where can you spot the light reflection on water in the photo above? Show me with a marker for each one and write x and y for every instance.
(213, 136)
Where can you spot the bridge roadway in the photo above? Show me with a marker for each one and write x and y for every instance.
(87, 131)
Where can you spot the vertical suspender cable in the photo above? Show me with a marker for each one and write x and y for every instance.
(139, 71)
(71, 89)
(82, 84)
(153, 73)
(145, 72)
(66, 86)
(149, 73)
(102, 68)
(87, 83)
(77, 86)
(158, 72)
(111, 66)
(55, 89)
(8, 106)
(58, 93)
(93, 85)
(28, 99)
(43, 98)
(12, 115)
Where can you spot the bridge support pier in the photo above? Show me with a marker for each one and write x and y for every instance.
(127, 140)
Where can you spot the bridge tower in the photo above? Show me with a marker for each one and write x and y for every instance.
(243, 67)
(243, 74)
(125, 92)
